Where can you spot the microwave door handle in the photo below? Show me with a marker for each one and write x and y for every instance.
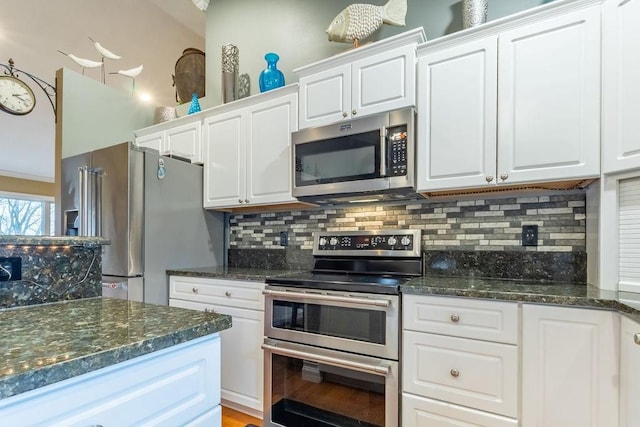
(383, 151)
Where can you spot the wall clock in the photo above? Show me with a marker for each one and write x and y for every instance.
(16, 97)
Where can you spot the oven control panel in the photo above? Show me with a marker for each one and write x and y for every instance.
(384, 242)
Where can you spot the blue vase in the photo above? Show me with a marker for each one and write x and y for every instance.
(271, 77)
(195, 105)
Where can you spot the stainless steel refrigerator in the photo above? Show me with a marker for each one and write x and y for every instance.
(150, 207)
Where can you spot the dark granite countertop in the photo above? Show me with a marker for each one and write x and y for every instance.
(497, 289)
(53, 240)
(522, 291)
(252, 274)
(47, 343)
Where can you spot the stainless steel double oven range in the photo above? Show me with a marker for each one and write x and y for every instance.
(332, 335)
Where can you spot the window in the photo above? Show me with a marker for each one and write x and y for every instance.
(22, 214)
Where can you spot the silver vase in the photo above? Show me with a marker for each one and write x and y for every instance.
(230, 62)
(474, 13)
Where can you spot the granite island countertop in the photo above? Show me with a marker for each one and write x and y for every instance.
(53, 241)
(579, 295)
(44, 344)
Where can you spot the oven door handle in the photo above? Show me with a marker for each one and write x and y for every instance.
(327, 298)
(348, 364)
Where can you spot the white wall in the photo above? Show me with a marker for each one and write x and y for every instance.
(295, 30)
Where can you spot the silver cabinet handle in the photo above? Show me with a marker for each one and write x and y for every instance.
(504, 176)
(194, 290)
(349, 364)
(455, 318)
(240, 201)
(354, 112)
(489, 178)
(228, 293)
(344, 114)
(636, 338)
(327, 298)
(246, 200)
(454, 373)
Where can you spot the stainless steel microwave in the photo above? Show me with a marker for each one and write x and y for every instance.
(371, 158)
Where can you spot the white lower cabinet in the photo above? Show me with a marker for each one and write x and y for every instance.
(242, 360)
(570, 359)
(452, 374)
(179, 385)
(629, 372)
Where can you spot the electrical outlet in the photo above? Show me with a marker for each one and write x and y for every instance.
(284, 238)
(11, 268)
(529, 235)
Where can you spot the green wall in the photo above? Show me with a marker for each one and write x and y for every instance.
(295, 30)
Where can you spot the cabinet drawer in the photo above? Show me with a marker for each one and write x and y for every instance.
(478, 374)
(462, 317)
(167, 388)
(420, 411)
(231, 293)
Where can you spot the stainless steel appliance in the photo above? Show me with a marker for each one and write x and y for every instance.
(150, 208)
(332, 335)
(365, 159)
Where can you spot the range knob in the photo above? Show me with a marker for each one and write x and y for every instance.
(392, 241)
(322, 241)
(333, 241)
(406, 241)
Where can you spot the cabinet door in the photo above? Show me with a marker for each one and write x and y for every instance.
(549, 99)
(242, 360)
(621, 85)
(184, 141)
(269, 165)
(629, 372)
(154, 141)
(383, 82)
(224, 160)
(325, 97)
(457, 113)
(569, 367)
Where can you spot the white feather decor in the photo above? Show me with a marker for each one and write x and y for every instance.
(201, 4)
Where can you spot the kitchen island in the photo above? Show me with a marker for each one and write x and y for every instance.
(96, 359)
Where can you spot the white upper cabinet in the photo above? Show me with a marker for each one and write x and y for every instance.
(371, 79)
(179, 137)
(621, 86)
(248, 151)
(516, 103)
(457, 102)
(549, 99)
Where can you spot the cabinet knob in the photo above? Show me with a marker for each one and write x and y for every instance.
(504, 176)
(194, 290)
(354, 112)
(246, 200)
(489, 178)
(344, 114)
(240, 201)
(636, 338)
(228, 293)
(209, 310)
(454, 373)
(455, 318)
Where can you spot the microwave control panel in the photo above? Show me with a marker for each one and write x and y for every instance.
(397, 151)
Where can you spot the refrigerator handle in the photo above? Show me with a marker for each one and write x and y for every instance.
(97, 176)
(83, 186)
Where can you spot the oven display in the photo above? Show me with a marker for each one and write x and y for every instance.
(378, 242)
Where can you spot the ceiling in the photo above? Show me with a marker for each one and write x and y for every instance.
(149, 32)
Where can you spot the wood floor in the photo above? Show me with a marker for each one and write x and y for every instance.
(231, 418)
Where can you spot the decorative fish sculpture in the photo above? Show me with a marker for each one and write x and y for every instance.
(358, 21)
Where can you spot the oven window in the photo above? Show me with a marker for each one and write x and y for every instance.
(344, 322)
(316, 395)
(347, 158)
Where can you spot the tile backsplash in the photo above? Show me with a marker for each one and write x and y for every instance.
(455, 230)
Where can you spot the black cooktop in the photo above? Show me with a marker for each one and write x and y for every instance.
(375, 284)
